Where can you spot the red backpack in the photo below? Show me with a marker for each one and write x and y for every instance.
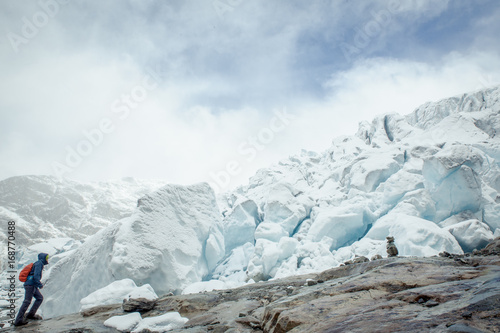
(23, 276)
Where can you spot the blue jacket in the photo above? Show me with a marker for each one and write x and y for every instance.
(36, 272)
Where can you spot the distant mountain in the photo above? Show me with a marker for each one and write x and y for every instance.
(45, 207)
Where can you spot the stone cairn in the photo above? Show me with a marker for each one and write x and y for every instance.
(392, 250)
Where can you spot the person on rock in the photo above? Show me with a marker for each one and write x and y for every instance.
(31, 289)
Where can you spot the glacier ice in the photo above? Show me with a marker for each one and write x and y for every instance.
(471, 234)
(232, 270)
(240, 224)
(268, 257)
(162, 243)
(400, 183)
(339, 224)
(133, 322)
(124, 323)
(57, 248)
(164, 323)
(116, 292)
(414, 236)
(270, 231)
(399, 176)
(285, 207)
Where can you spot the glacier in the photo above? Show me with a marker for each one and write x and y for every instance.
(173, 239)
(431, 179)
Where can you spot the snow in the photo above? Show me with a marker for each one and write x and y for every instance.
(125, 323)
(144, 291)
(163, 323)
(116, 292)
(366, 247)
(203, 286)
(133, 322)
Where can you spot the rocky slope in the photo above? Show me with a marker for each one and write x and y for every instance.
(449, 293)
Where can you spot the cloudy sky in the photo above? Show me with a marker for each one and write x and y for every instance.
(189, 91)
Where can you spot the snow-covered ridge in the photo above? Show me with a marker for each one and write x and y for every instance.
(430, 114)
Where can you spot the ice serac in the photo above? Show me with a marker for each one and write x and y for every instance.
(471, 234)
(240, 224)
(453, 178)
(339, 225)
(173, 239)
(414, 236)
(284, 207)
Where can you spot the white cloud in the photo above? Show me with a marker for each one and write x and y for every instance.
(223, 79)
(383, 85)
(189, 146)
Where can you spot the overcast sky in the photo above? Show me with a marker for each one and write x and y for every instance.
(188, 91)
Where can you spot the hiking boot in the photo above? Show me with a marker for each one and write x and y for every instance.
(21, 323)
(34, 317)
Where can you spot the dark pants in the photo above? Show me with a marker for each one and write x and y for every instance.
(29, 293)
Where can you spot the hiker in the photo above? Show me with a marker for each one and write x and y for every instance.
(31, 289)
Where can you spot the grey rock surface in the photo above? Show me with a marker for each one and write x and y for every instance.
(400, 294)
